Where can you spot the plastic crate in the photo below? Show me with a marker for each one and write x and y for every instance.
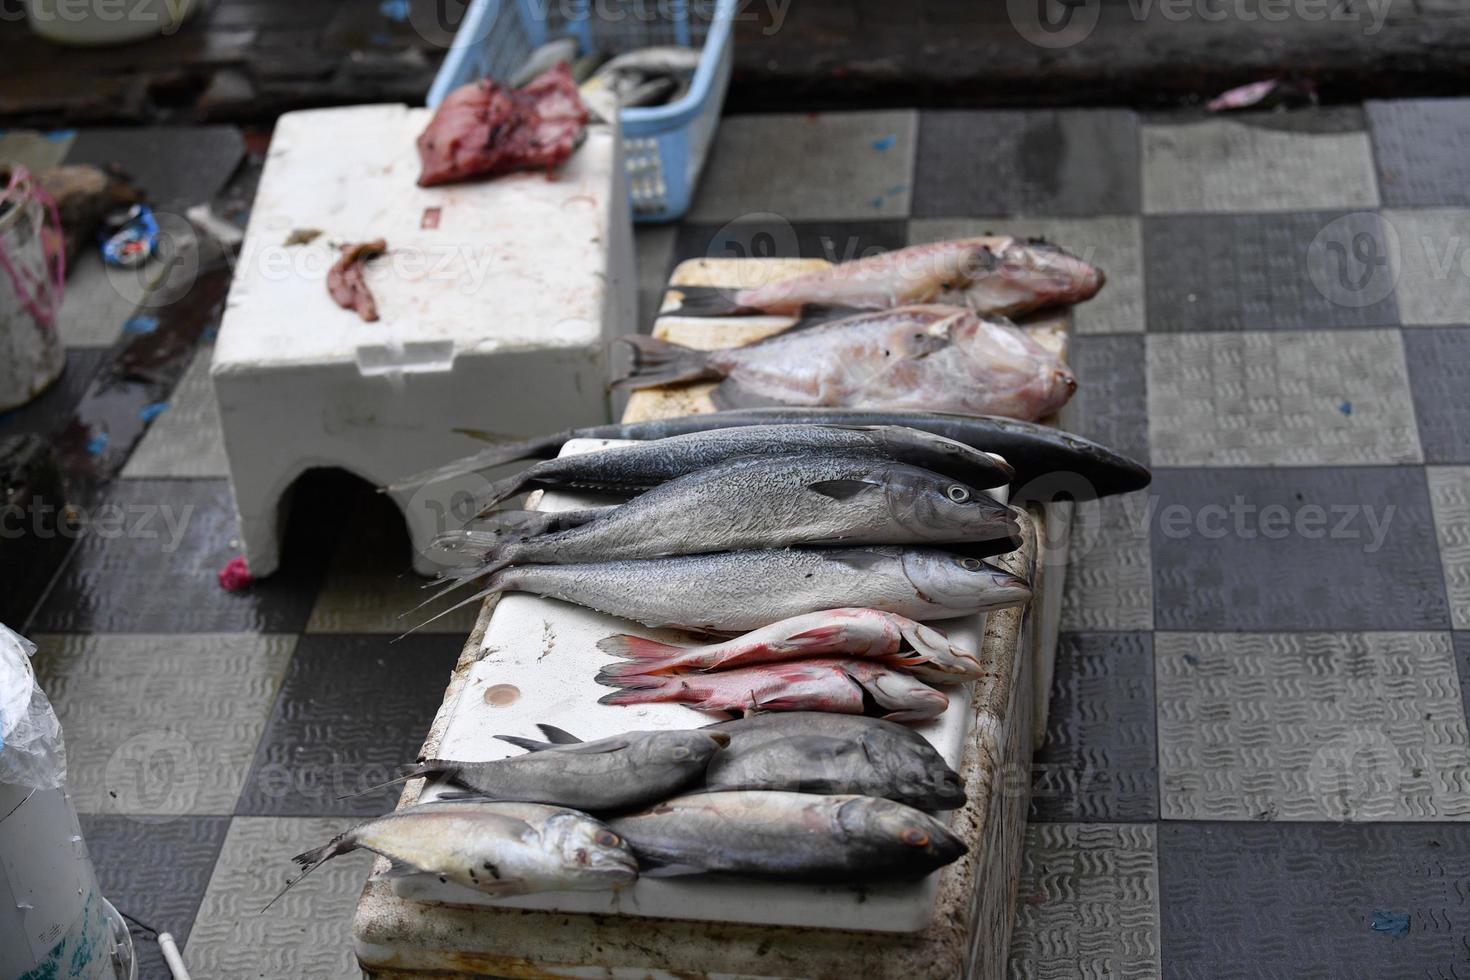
(664, 147)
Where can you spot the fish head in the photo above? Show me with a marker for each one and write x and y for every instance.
(906, 697)
(918, 773)
(684, 749)
(1050, 274)
(942, 654)
(940, 508)
(962, 583)
(943, 455)
(896, 827)
(590, 853)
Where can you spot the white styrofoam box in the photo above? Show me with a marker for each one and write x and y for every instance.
(538, 665)
(497, 300)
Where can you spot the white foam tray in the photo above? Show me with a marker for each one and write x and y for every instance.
(544, 652)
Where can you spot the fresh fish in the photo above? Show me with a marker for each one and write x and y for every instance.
(821, 752)
(1040, 453)
(772, 502)
(627, 770)
(852, 839)
(737, 591)
(934, 357)
(994, 275)
(865, 633)
(543, 59)
(646, 76)
(635, 468)
(821, 684)
(495, 847)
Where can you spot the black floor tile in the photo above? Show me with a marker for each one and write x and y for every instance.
(1244, 901)
(1294, 271)
(1350, 548)
(1099, 762)
(1111, 404)
(352, 710)
(48, 414)
(1462, 664)
(149, 557)
(155, 871)
(178, 166)
(1026, 162)
(1422, 148)
(835, 241)
(1439, 379)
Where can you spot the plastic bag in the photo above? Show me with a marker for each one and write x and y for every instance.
(31, 750)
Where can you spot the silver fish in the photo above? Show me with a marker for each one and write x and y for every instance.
(615, 773)
(789, 835)
(821, 752)
(495, 847)
(931, 357)
(736, 591)
(771, 502)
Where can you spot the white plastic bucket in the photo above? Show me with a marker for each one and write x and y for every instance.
(54, 922)
(31, 354)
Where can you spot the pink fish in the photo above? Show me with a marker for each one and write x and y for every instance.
(825, 684)
(862, 633)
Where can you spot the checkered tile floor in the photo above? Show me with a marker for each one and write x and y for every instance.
(1257, 763)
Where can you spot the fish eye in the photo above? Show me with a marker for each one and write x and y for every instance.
(958, 494)
(606, 838)
(680, 752)
(914, 836)
(971, 564)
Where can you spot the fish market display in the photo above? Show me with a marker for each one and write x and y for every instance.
(993, 275)
(932, 357)
(820, 684)
(852, 839)
(484, 129)
(627, 770)
(737, 591)
(820, 752)
(771, 502)
(1039, 453)
(345, 279)
(495, 847)
(865, 633)
(646, 76)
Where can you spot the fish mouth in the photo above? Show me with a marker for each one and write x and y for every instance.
(721, 739)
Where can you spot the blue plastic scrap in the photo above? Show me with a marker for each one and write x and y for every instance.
(1346, 408)
(394, 10)
(152, 411)
(97, 445)
(140, 323)
(885, 142)
(1395, 924)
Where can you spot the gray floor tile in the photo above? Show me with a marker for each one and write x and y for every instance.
(854, 165)
(1312, 902)
(333, 731)
(160, 724)
(1449, 493)
(1110, 243)
(1111, 404)
(1310, 726)
(308, 933)
(185, 439)
(1295, 549)
(1302, 271)
(1439, 379)
(1110, 582)
(654, 247)
(1422, 148)
(1223, 165)
(835, 241)
(93, 309)
(34, 150)
(1035, 162)
(1432, 264)
(1462, 661)
(1088, 903)
(155, 871)
(1280, 399)
(178, 166)
(1098, 760)
(49, 414)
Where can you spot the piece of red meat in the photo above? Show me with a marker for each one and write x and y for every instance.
(346, 282)
(484, 129)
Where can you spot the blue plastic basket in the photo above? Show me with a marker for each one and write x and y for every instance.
(664, 147)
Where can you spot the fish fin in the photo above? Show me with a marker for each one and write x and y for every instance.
(659, 362)
(397, 868)
(842, 489)
(558, 736)
(529, 744)
(729, 395)
(637, 648)
(491, 590)
(816, 636)
(856, 558)
(671, 871)
(309, 861)
(706, 301)
(613, 675)
(641, 689)
(502, 490)
(427, 768)
(543, 447)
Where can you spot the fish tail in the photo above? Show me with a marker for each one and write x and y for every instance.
(431, 767)
(542, 447)
(647, 652)
(313, 859)
(501, 490)
(659, 362)
(490, 590)
(642, 689)
(708, 301)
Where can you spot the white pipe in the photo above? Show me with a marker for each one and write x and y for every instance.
(171, 956)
